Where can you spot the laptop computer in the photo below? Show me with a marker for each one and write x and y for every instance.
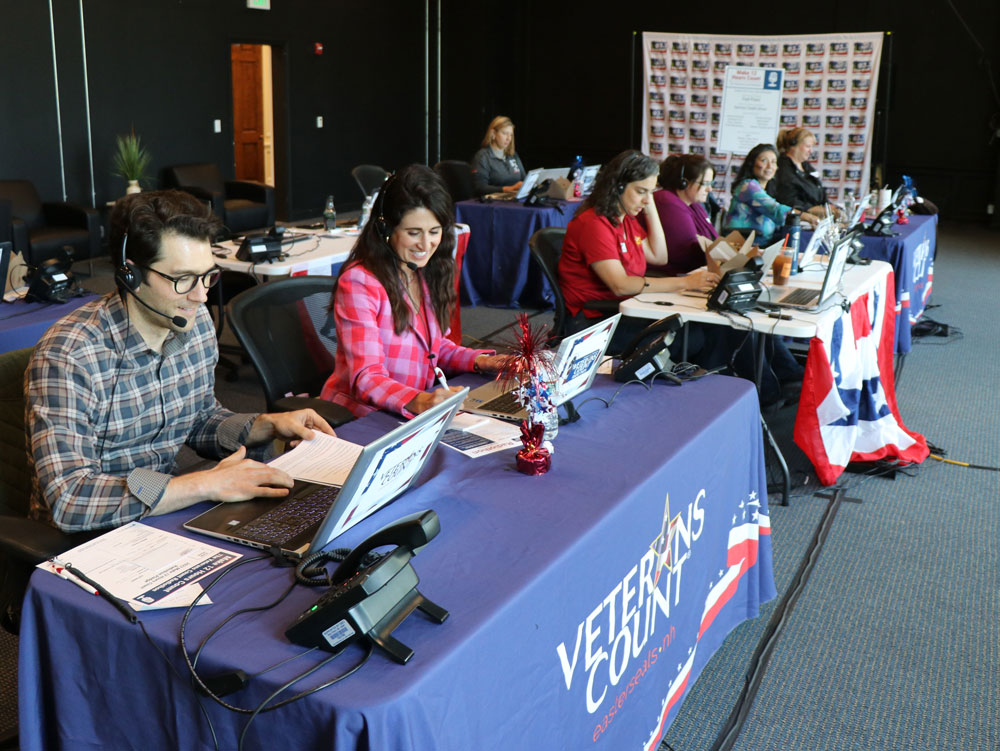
(312, 514)
(819, 236)
(552, 173)
(810, 298)
(588, 178)
(576, 363)
(529, 182)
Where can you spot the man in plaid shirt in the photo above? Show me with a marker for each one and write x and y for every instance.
(115, 388)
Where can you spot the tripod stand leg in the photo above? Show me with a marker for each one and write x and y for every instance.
(787, 479)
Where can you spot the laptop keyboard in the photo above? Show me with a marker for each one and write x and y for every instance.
(505, 404)
(800, 296)
(291, 517)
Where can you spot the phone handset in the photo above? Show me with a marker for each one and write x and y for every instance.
(369, 602)
(639, 360)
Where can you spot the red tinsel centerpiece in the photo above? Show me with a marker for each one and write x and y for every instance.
(528, 370)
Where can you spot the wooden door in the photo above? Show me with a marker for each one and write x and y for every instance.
(248, 112)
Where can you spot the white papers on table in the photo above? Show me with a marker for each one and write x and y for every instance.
(146, 567)
(484, 435)
(326, 459)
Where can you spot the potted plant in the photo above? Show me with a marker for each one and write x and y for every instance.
(131, 160)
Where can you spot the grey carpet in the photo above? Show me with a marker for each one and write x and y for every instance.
(894, 643)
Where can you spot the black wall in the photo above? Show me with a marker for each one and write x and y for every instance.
(562, 71)
(163, 67)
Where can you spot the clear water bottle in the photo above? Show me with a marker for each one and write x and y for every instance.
(850, 204)
(793, 226)
(329, 215)
(576, 170)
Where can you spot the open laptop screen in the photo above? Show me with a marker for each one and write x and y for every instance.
(580, 357)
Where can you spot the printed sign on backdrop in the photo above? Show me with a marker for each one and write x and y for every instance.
(827, 84)
(751, 106)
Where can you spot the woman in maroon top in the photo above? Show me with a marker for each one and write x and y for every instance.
(606, 249)
(686, 181)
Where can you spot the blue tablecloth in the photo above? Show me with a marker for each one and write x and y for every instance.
(911, 253)
(498, 270)
(567, 630)
(23, 323)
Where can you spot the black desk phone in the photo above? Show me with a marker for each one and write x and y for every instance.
(640, 362)
(370, 602)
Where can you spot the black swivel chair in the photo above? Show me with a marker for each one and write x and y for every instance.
(40, 229)
(242, 205)
(546, 247)
(369, 178)
(457, 176)
(287, 332)
(24, 542)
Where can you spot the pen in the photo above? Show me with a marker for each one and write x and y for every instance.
(62, 573)
(440, 375)
(117, 602)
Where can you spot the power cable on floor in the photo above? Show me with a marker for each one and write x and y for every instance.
(765, 648)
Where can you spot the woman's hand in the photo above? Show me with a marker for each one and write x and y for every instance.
(513, 188)
(490, 363)
(427, 399)
(700, 279)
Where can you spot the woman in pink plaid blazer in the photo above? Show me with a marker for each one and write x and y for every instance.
(393, 301)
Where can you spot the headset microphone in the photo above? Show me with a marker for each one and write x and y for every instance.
(178, 321)
(411, 265)
(129, 280)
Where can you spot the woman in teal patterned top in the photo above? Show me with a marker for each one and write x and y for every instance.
(751, 207)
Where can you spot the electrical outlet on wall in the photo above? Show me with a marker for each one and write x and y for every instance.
(319, 121)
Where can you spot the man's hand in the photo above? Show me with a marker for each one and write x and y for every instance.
(235, 478)
(297, 425)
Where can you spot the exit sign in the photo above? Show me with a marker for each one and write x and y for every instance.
(259, 4)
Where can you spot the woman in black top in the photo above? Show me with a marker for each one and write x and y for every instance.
(496, 166)
(796, 183)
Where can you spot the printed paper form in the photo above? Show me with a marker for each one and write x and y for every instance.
(145, 566)
(325, 459)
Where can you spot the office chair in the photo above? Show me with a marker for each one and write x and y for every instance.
(369, 178)
(457, 176)
(546, 248)
(242, 205)
(24, 542)
(40, 229)
(287, 332)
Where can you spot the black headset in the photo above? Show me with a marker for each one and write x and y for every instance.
(380, 226)
(126, 276)
(683, 181)
(633, 158)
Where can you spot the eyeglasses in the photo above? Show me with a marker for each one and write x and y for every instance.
(186, 282)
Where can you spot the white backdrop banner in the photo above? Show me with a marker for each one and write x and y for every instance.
(828, 86)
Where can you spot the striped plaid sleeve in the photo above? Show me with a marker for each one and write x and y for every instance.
(59, 404)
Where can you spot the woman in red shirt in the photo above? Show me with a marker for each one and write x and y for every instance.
(606, 249)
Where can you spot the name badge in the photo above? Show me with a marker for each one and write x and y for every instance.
(624, 247)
